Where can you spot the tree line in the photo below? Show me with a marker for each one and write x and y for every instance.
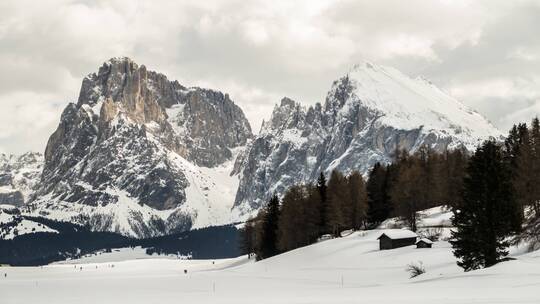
(343, 202)
(306, 212)
(492, 192)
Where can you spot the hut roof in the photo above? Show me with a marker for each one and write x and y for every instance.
(398, 234)
(427, 241)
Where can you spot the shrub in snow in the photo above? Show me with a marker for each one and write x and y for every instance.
(415, 269)
(531, 233)
(432, 234)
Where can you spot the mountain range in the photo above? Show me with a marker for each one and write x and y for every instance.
(144, 156)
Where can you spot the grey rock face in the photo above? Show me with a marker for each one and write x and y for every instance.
(354, 129)
(119, 147)
(18, 177)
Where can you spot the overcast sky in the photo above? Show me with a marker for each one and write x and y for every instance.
(485, 53)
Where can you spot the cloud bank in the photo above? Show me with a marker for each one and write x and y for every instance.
(485, 53)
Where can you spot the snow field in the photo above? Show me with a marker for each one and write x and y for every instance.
(345, 270)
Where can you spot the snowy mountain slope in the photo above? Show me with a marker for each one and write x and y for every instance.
(406, 103)
(368, 114)
(345, 270)
(12, 224)
(19, 175)
(141, 155)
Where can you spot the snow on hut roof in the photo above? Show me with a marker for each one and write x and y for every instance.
(398, 234)
(427, 241)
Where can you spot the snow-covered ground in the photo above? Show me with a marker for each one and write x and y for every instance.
(12, 224)
(117, 255)
(346, 270)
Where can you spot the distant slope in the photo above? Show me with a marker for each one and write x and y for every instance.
(71, 241)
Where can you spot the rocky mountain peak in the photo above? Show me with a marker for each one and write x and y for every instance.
(287, 102)
(368, 114)
(129, 155)
(286, 114)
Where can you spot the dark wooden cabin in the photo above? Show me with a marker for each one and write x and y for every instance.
(424, 243)
(396, 238)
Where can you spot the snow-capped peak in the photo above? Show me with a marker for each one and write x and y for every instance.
(368, 114)
(407, 103)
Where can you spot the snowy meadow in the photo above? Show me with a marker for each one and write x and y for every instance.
(345, 270)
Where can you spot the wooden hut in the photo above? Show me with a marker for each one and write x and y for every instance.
(396, 238)
(424, 243)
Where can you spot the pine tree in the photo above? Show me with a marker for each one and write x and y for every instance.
(358, 197)
(512, 143)
(523, 178)
(291, 219)
(535, 165)
(378, 206)
(488, 213)
(407, 192)
(337, 195)
(453, 171)
(323, 203)
(432, 177)
(312, 209)
(248, 238)
(269, 229)
(298, 220)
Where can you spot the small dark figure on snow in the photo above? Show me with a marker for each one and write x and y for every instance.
(185, 271)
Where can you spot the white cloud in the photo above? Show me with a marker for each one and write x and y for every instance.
(259, 51)
(27, 119)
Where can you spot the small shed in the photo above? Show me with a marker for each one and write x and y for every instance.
(424, 243)
(396, 238)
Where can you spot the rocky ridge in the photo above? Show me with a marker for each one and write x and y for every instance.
(367, 115)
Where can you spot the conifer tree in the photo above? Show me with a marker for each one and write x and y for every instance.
(407, 192)
(248, 238)
(290, 234)
(379, 207)
(337, 196)
(298, 220)
(488, 212)
(323, 203)
(269, 229)
(512, 143)
(535, 165)
(453, 171)
(358, 199)
(523, 177)
(312, 209)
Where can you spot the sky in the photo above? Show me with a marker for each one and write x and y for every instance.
(484, 53)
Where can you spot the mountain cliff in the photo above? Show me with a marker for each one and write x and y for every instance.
(367, 115)
(141, 155)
